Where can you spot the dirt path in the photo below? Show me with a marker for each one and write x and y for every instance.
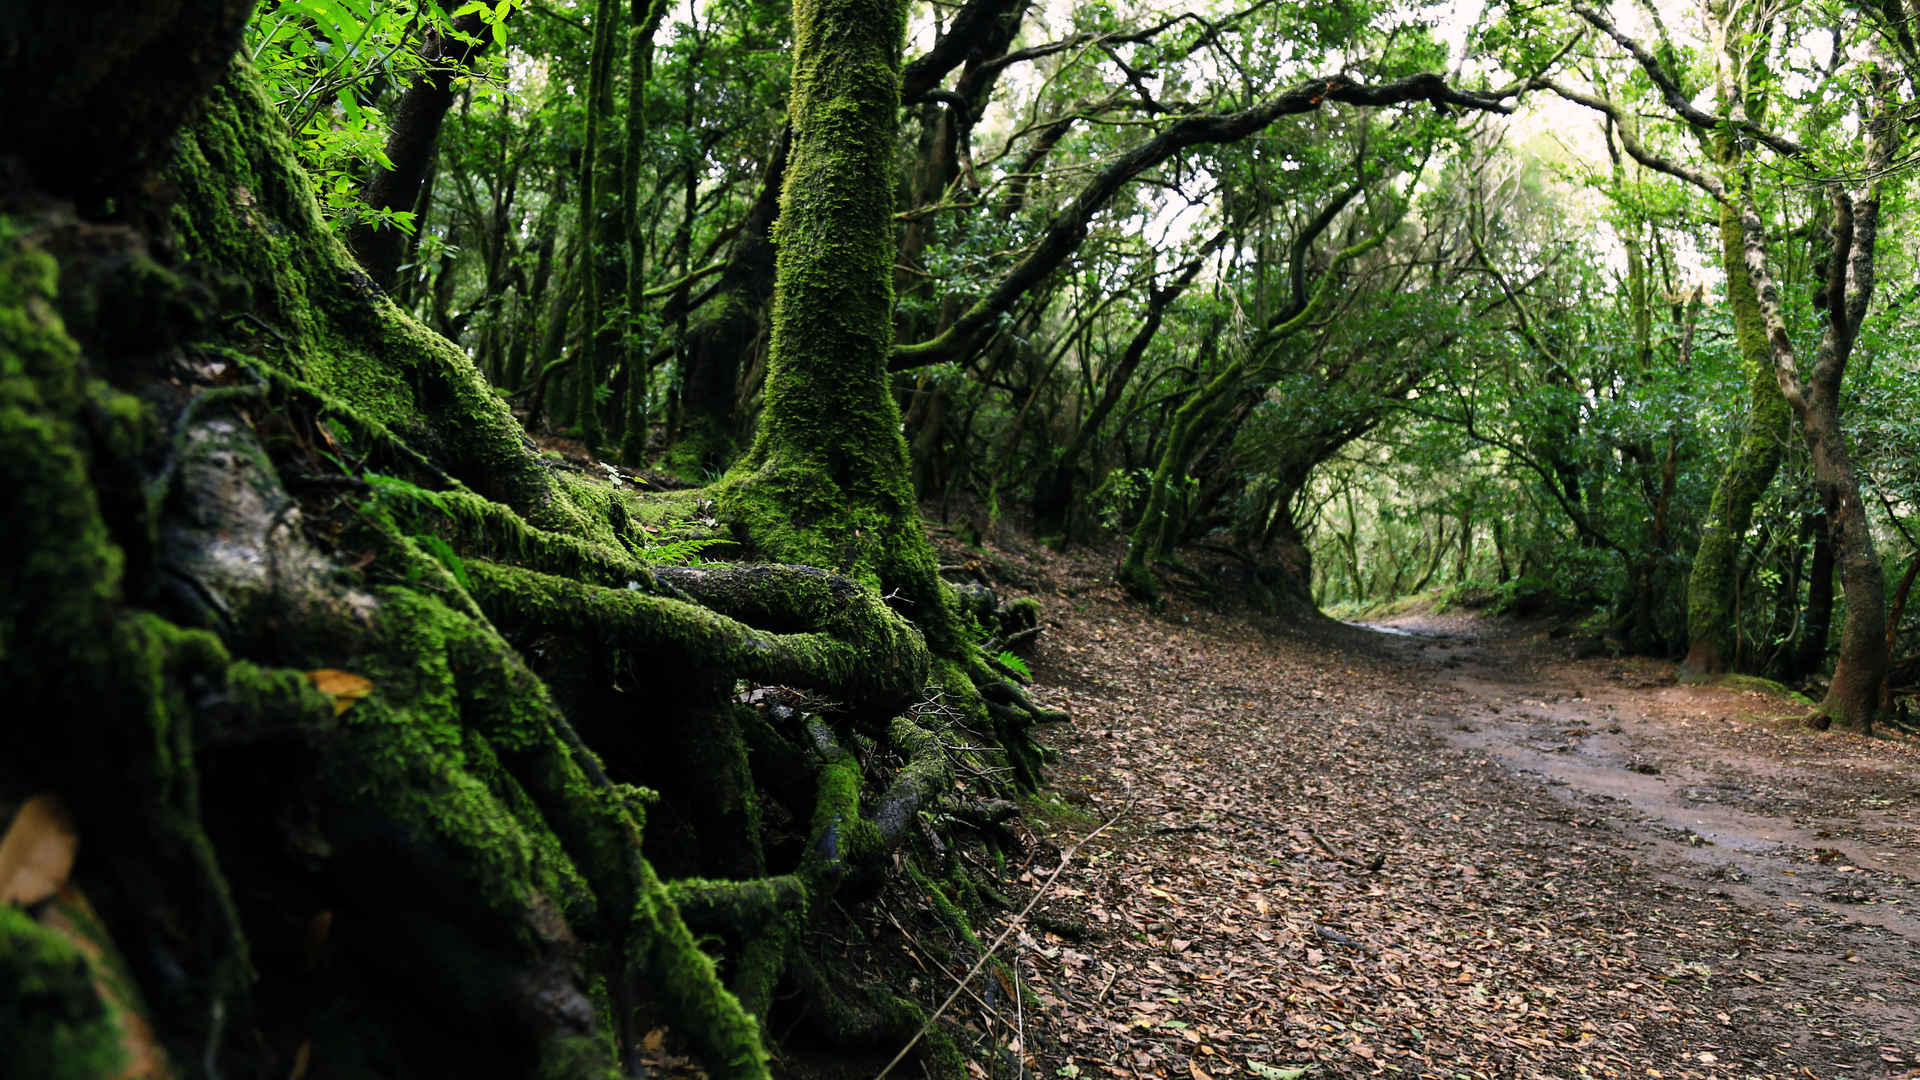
(1434, 854)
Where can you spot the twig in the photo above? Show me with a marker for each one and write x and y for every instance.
(1020, 1020)
(922, 951)
(1329, 848)
(1012, 925)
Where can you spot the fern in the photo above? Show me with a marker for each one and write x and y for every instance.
(1013, 663)
(678, 552)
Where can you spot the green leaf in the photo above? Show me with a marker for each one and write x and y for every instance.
(1014, 664)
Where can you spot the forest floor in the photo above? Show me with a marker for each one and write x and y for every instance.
(1444, 848)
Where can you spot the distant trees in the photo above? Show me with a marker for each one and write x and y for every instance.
(1102, 229)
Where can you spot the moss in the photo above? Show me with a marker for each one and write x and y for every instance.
(881, 667)
(841, 841)
(826, 482)
(1711, 626)
(763, 917)
(1756, 685)
(69, 647)
(944, 906)
(52, 1020)
(507, 818)
(1050, 812)
(60, 572)
(1024, 608)
(691, 985)
(247, 222)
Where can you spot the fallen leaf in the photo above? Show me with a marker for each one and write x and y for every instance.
(37, 853)
(344, 687)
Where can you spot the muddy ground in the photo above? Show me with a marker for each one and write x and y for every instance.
(1445, 848)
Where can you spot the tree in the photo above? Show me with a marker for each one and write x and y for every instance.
(1843, 295)
(341, 648)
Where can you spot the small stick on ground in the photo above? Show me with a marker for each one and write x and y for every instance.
(1012, 925)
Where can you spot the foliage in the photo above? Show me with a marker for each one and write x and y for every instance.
(328, 63)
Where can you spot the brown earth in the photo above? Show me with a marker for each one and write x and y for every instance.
(1445, 850)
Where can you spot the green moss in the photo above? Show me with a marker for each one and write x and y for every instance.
(60, 572)
(690, 983)
(1048, 811)
(859, 652)
(1024, 607)
(52, 1021)
(764, 918)
(1755, 684)
(247, 221)
(841, 840)
(69, 647)
(943, 905)
(1711, 626)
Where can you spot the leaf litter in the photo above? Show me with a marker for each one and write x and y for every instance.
(1319, 877)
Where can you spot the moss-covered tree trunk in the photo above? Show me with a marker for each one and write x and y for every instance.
(826, 481)
(1711, 626)
(601, 238)
(646, 16)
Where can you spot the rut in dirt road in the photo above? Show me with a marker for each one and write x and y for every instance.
(1342, 853)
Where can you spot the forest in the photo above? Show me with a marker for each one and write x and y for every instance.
(538, 531)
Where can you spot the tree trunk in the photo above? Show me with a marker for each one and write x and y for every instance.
(1817, 624)
(411, 141)
(601, 277)
(729, 331)
(646, 16)
(1853, 697)
(1710, 587)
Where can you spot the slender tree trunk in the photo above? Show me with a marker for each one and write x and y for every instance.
(600, 275)
(646, 16)
(1895, 613)
(715, 346)
(411, 141)
(1816, 623)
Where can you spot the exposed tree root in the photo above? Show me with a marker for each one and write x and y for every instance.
(553, 781)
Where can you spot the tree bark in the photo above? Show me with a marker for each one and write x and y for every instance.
(411, 143)
(1711, 627)
(1853, 697)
